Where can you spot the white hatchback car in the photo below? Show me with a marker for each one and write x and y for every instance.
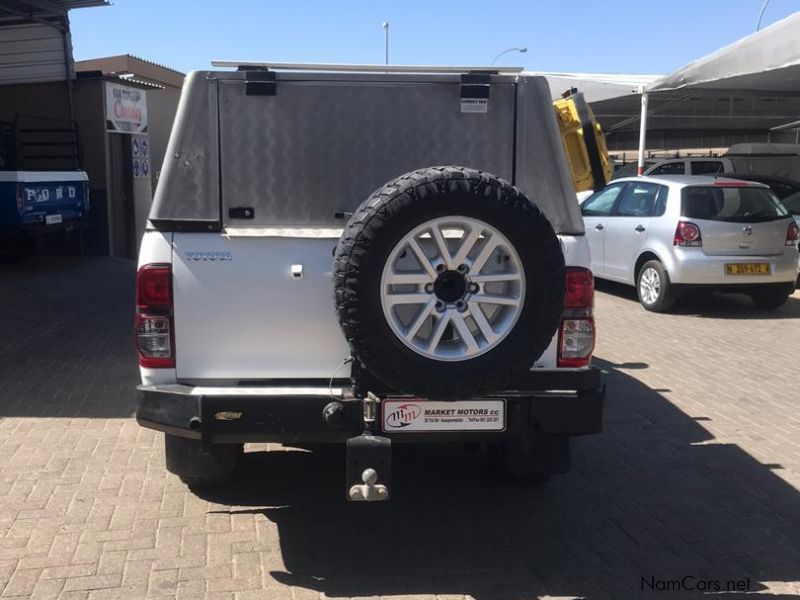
(670, 234)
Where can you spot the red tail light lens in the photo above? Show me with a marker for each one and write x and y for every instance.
(580, 288)
(577, 333)
(154, 325)
(154, 287)
(792, 234)
(688, 234)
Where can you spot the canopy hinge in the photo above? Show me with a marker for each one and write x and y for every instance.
(259, 82)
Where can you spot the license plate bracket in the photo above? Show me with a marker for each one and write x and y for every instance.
(763, 268)
(53, 219)
(425, 416)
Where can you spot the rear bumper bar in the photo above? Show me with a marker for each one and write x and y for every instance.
(563, 401)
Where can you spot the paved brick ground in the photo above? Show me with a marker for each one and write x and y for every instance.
(697, 473)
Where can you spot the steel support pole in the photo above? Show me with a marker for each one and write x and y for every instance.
(642, 131)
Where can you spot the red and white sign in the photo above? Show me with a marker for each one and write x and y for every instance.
(426, 415)
(126, 109)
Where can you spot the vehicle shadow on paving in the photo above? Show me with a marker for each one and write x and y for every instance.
(652, 497)
(709, 305)
(66, 338)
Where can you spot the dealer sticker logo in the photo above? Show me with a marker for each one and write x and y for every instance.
(454, 415)
(403, 415)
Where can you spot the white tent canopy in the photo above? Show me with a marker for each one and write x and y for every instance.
(748, 91)
(768, 60)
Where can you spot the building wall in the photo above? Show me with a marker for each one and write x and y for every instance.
(161, 108)
(90, 116)
(672, 140)
(37, 99)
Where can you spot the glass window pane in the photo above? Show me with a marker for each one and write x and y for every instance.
(706, 167)
(732, 204)
(638, 200)
(675, 168)
(601, 203)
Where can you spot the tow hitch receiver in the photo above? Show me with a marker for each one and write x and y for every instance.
(369, 468)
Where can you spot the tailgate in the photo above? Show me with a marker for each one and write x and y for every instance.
(743, 239)
(736, 219)
(240, 313)
(67, 199)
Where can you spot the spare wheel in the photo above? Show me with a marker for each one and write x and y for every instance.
(448, 283)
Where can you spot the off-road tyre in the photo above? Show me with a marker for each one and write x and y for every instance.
(527, 460)
(381, 222)
(185, 459)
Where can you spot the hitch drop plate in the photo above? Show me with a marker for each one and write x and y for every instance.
(369, 468)
(427, 415)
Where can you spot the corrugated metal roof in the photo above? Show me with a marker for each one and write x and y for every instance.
(123, 65)
(44, 8)
(33, 46)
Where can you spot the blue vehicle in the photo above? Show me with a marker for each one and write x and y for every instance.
(34, 202)
(42, 188)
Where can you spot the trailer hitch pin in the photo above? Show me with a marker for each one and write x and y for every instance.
(370, 410)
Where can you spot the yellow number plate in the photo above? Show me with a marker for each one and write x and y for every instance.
(747, 269)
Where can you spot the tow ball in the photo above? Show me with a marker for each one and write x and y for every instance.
(369, 460)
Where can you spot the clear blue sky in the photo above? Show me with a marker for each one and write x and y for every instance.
(616, 36)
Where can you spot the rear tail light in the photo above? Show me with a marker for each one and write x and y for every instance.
(154, 325)
(577, 333)
(688, 234)
(792, 234)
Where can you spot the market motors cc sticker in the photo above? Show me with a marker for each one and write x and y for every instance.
(403, 415)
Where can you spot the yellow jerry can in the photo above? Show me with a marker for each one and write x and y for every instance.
(583, 141)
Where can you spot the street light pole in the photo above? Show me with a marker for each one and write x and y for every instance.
(761, 14)
(520, 50)
(386, 30)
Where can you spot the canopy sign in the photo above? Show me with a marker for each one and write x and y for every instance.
(126, 109)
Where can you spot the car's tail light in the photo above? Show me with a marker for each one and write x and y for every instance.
(154, 326)
(576, 336)
(792, 234)
(687, 234)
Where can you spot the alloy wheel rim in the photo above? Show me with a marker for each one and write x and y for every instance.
(452, 288)
(649, 286)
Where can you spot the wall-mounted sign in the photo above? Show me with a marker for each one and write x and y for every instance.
(126, 109)
(140, 154)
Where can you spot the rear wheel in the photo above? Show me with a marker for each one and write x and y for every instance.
(654, 288)
(185, 459)
(771, 297)
(529, 460)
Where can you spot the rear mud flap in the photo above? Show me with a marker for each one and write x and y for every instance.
(369, 468)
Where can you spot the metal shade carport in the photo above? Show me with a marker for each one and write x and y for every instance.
(35, 42)
(748, 91)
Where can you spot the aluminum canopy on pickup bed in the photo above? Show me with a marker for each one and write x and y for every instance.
(316, 144)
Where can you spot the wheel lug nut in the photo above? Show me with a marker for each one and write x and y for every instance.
(440, 267)
(440, 306)
(473, 288)
(461, 306)
(428, 288)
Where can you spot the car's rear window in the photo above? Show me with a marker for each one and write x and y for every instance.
(732, 204)
(793, 203)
